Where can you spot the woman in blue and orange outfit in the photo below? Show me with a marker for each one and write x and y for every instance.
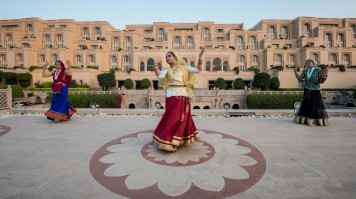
(312, 109)
(60, 108)
(176, 127)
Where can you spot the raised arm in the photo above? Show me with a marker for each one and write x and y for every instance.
(45, 72)
(68, 69)
(156, 67)
(200, 60)
(299, 77)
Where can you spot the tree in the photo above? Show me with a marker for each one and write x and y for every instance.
(128, 83)
(220, 83)
(274, 84)
(24, 79)
(10, 78)
(106, 80)
(239, 83)
(261, 80)
(145, 83)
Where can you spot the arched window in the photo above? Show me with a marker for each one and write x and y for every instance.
(217, 64)
(278, 58)
(291, 58)
(161, 31)
(190, 40)
(207, 66)
(79, 59)
(97, 31)
(126, 59)
(284, 30)
(252, 43)
(272, 30)
(42, 58)
(206, 31)
(59, 38)
(340, 37)
(346, 57)
(252, 40)
(114, 59)
(307, 30)
(150, 62)
(116, 40)
(177, 40)
(240, 40)
(226, 66)
(19, 57)
(54, 57)
(47, 38)
(242, 59)
(91, 58)
(128, 40)
(353, 28)
(30, 28)
(2, 58)
(9, 38)
(255, 59)
(142, 66)
(333, 57)
(315, 57)
(328, 37)
(85, 31)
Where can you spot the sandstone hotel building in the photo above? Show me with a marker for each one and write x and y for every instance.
(95, 47)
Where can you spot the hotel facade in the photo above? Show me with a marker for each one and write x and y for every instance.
(96, 47)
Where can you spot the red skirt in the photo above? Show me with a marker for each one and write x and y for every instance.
(176, 127)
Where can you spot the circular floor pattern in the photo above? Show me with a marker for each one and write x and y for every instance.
(4, 130)
(218, 165)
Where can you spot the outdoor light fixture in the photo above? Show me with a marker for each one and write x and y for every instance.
(94, 105)
(158, 106)
(296, 106)
(226, 107)
(18, 105)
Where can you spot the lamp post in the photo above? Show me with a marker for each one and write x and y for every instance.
(94, 105)
(158, 106)
(226, 107)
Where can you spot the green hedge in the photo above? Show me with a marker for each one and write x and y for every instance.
(259, 101)
(84, 100)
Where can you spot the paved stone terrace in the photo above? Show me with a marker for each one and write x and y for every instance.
(104, 156)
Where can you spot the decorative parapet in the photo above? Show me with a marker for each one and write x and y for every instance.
(6, 98)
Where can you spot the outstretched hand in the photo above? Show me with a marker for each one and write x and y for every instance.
(202, 50)
(68, 63)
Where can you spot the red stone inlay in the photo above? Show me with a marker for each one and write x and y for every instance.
(210, 154)
(232, 186)
(4, 130)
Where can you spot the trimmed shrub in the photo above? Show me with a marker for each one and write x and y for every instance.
(261, 80)
(260, 101)
(84, 100)
(24, 79)
(128, 83)
(145, 83)
(17, 91)
(220, 83)
(10, 78)
(274, 84)
(239, 83)
(106, 80)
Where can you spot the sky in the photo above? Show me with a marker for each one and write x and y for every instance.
(132, 12)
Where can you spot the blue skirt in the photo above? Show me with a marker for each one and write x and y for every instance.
(60, 108)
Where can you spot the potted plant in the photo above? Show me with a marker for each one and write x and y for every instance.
(236, 70)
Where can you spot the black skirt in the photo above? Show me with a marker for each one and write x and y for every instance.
(312, 109)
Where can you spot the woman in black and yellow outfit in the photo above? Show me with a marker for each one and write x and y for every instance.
(312, 109)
